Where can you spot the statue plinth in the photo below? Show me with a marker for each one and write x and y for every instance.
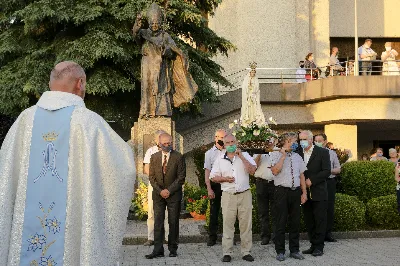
(142, 136)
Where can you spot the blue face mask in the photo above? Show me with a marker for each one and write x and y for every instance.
(379, 154)
(304, 143)
(231, 148)
(294, 146)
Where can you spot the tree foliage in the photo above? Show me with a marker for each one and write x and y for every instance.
(35, 35)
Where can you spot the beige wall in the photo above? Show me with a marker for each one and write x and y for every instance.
(376, 18)
(343, 137)
(272, 33)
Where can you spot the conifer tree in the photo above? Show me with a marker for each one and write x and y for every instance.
(35, 35)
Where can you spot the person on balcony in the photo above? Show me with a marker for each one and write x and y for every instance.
(390, 67)
(300, 73)
(312, 70)
(334, 64)
(366, 54)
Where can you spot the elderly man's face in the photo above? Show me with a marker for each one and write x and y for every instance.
(304, 136)
(165, 140)
(229, 141)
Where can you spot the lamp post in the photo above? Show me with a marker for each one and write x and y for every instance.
(355, 40)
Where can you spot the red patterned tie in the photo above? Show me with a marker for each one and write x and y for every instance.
(164, 165)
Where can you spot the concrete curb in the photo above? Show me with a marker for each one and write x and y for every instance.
(202, 237)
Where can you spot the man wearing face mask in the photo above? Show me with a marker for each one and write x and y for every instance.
(232, 170)
(366, 54)
(214, 189)
(320, 140)
(265, 195)
(150, 214)
(167, 175)
(290, 191)
(318, 171)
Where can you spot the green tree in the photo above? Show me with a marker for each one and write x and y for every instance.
(35, 35)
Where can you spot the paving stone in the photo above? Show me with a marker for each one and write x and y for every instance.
(352, 252)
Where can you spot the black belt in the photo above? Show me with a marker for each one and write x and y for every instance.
(264, 180)
(291, 188)
(236, 193)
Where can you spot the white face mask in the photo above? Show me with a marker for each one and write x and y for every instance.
(388, 48)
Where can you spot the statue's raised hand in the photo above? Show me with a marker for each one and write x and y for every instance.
(138, 23)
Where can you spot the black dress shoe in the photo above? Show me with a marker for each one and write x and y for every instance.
(226, 258)
(308, 251)
(248, 257)
(211, 242)
(154, 255)
(265, 241)
(317, 253)
(173, 254)
(330, 239)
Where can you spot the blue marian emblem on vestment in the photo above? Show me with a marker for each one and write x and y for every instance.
(50, 153)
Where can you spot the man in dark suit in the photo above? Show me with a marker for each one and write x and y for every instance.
(315, 209)
(167, 175)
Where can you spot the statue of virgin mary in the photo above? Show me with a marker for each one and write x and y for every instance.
(251, 107)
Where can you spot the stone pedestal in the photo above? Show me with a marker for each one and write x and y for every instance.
(142, 136)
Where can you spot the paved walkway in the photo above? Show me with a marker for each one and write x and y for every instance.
(368, 251)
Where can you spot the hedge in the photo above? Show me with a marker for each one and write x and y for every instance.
(382, 212)
(349, 213)
(368, 180)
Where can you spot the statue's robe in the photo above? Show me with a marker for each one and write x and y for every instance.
(66, 185)
(165, 82)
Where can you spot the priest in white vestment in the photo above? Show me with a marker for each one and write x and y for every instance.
(66, 181)
(251, 107)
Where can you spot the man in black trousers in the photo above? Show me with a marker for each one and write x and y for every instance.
(167, 175)
(214, 189)
(315, 209)
(320, 140)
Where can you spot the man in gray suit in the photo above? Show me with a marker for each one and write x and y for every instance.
(167, 175)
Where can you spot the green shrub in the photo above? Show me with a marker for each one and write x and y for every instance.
(198, 158)
(199, 206)
(349, 213)
(382, 212)
(193, 192)
(368, 180)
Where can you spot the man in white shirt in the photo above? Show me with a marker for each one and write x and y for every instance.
(290, 191)
(214, 189)
(150, 212)
(232, 170)
(366, 54)
(265, 195)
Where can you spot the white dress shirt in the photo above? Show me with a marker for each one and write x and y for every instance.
(264, 168)
(307, 154)
(293, 166)
(210, 157)
(150, 151)
(235, 168)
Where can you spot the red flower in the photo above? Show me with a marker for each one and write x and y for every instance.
(204, 197)
(190, 200)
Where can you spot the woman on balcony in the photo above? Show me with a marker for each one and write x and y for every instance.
(390, 67)
(311, 68)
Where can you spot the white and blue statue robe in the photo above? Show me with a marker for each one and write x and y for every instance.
(66, 182)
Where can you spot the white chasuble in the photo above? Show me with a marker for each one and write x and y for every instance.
(66, 185)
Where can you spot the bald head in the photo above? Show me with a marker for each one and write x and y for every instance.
(69, 77)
